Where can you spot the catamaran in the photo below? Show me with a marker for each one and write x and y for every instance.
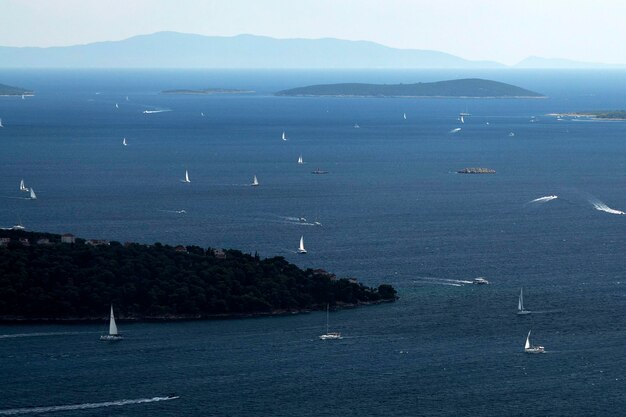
(329, 335)
(33, 196)
(529, 348)
(186, 177)
(255, 182)
(113, 333)
(124, 142)
(300, 160)
(284, 136)
(520, 304)
(23, 187)
(301, 249)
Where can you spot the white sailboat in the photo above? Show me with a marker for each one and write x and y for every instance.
(404, 116)
(284, 136)
(23, 187)
(186, 180)
(520, 304)
(329, 335)
(124, 142)
(301, 249)
(255, 182)
(356, 126)
(529, 348)
(113, 333)
(462, 119)
(1, 123)
(300, 160)
(33, 196)
(117, 106)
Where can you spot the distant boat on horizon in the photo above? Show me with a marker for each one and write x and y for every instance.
(301, 249)
(529, 348)
(23, 187)
(124, 142)
(520, 304)
(329, 335)
(356, 126)
(284, 136)
(113, 333)
(255, 182)
(116, 106)
(319, 171)
(404, 116)
(511, 134)
(300, 160)
(33, 196)
(186, 180)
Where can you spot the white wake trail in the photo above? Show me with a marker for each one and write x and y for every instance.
(600, 206)
(18, 335)
(544, 199)
(50, 409)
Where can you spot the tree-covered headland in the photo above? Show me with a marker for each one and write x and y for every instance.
(43, 278)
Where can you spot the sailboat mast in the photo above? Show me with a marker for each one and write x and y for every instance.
(327, 318)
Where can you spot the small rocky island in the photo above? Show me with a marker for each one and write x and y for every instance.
(209, 91)
(463, 88)
(47, 276)
(596, 114)
(476, 171)
(7, 90)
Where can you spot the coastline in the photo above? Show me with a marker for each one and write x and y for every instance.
(419, 97)
(8, 320)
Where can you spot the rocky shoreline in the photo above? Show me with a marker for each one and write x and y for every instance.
(7, 320)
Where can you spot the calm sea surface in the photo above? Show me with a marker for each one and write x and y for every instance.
(392, 210)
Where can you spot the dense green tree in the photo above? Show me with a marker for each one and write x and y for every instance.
(79, 281)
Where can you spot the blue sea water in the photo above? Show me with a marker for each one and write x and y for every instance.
(392, 210)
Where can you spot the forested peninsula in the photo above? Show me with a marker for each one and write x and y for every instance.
(463, 88)
(51, 277)
(7, 90)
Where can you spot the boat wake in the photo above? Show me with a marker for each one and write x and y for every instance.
(183, 211)
(86, 406)
(441, 281)
(544, 199)
(156, 111)
(18, 335)
(600, 206)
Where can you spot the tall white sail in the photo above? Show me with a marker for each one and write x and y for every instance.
(284, 136)
(23, 186)
(1, 123)
(33, 196)
(112, 326)
(301, 248)
(124, 142)
(300, 160)
(186, 176)
(404, 116)
(520, 303)
(255, 181)
(462, 119)
(527, 345)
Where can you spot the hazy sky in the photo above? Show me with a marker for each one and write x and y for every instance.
(501, 30)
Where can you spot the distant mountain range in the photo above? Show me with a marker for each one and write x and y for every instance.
(180, 50)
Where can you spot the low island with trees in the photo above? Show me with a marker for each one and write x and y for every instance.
(7, 90)
(47, 276)
(462, 88)
(595, 114)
